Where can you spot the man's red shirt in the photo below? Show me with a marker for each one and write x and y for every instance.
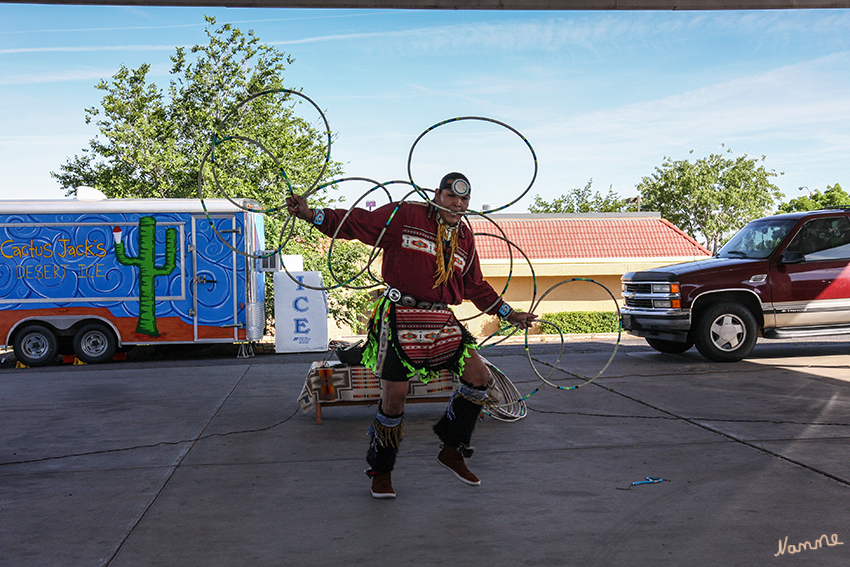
(409, 252)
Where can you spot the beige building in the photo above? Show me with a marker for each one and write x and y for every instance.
(552, 248)
(548, 249)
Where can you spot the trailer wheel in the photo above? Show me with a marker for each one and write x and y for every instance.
(94, 343)
(35, 345)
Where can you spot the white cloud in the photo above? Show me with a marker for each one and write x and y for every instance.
(73, 75)
(47, 140)
(797, 115)
(152, 13)
(84, 49)
(593, 32)
(776, 101)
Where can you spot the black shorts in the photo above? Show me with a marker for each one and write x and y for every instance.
(394, 370)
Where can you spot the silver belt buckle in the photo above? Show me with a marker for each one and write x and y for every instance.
(393, 294)
(426, 305)
(408, 301)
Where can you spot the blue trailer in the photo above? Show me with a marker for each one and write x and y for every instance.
(91, 277)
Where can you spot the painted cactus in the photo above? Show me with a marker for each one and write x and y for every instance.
(146, 262)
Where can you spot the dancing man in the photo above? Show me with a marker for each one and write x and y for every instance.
(429, 262)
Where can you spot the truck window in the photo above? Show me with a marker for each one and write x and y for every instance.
(757, 239)
(823, 239)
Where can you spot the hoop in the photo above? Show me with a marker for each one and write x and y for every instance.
(481, 119)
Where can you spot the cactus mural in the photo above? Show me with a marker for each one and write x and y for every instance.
(146, 262)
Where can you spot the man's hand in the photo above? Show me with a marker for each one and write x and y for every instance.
(297, 206)
(521, 320)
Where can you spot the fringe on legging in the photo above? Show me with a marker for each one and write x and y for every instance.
(456, 426)
(385, 434)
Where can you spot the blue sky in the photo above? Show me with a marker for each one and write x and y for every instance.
(599, 95)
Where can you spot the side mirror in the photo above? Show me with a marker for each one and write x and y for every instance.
(792, 257)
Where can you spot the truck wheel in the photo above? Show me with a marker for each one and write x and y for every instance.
(35, 345)
(669, 347)
(726, 332)
(94, 343)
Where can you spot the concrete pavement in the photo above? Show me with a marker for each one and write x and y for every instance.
(209, 462)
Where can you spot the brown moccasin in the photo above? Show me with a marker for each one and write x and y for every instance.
(450, 458)
(382, 484)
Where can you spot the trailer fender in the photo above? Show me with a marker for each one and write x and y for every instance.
(62, 323)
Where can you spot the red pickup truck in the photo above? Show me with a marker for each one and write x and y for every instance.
(781, 276)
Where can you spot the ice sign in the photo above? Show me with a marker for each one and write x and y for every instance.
(301, 314)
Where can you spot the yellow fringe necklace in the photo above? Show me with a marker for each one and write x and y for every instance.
(445, 233)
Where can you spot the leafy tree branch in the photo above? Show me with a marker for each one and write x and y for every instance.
(582, 201)
(151, 141)
(712, 197)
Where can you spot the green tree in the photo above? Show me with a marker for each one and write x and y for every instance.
(712, 197)
(582, 201)
(152, 141)
(834, 196)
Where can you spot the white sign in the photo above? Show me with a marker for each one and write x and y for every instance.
(292, 262)
(300, 313)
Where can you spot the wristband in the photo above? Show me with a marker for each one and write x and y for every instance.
(505, 310)
(318, 217)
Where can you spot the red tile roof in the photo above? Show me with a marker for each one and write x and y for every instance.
(585, 236)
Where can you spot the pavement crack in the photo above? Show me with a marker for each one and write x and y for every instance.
(150, 445)
(174, 467)
(673, 417)
(696, 422)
